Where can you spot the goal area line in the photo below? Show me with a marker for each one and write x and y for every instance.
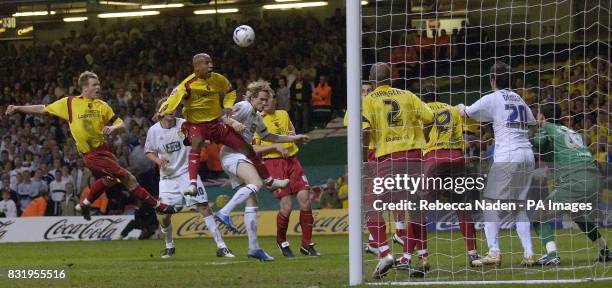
(489, 282)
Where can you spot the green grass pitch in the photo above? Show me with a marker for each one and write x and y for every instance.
(137, 263)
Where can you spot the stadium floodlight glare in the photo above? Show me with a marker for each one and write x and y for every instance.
(286, 0)
(76, 10)
(213, 11)
(119, 3)
(295, 5)
(75, 19)
(162, 6)
(33, 13)
(128, 14)
(364, 2)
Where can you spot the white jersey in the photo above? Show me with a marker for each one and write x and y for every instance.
(244, 113)
(168, 144)
(510, 116)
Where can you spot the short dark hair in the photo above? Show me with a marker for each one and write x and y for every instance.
(501, 72)
(550, 110)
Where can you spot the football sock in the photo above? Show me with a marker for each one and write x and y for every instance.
(239, 197)
(214, 231)
(167, 231)
(250, 222)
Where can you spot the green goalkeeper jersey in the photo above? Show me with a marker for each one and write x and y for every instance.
(571, 163)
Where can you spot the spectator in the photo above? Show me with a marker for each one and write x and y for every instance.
(291, 74)
(81, 175)
(66, 175)
(38, 184)
(57, 166)
(57, 188)
(343, 191)
(26, 190)
(283, 95)
(301, 93)
(139, 164)
(7, 205)
(70, 201)
(38, 207)
(4, 181)
(46, 176)
(329, 198)
(321, 102)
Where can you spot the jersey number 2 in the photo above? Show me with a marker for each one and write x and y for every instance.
(393, 118)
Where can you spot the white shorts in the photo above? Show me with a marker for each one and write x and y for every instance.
(170, 191)
(510, 175)
(229, 161)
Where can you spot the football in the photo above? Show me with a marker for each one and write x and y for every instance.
(244, 35)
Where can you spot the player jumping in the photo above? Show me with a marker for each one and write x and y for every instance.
(243, 175)
(164, 146)
(204, 94)
(90, 119)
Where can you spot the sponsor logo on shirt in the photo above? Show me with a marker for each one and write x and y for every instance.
(172, 147)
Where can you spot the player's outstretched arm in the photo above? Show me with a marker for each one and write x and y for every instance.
(263, 149)
(300, 138)
(31, 109)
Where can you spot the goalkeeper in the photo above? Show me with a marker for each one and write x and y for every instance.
(576, 180)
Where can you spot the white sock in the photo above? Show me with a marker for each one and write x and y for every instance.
(551, 246)
(214, 231)
(408, 256)
(491, 227)
(250, 222)
(167, 231)
(239, 197)
(472, 252)
(524, 232)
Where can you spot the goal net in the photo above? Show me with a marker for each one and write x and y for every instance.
(557, 53)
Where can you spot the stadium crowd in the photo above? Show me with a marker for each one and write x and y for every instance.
(138, 63)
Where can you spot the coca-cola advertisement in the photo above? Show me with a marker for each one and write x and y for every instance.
(40, 229)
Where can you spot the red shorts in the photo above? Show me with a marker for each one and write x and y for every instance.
(371, 155)
(103, 163)
(444, 163)
(290, 168)
(387, 166)
(215, 131)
